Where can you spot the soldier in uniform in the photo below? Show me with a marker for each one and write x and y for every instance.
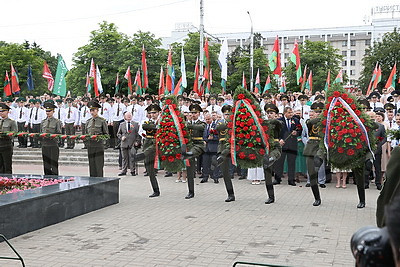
(38, 115)
(50, 149)
(6, 142)
(275, 149)
(312, 147)
(196, 130)
(71, 122)
(84, 115)
(96, 126)
(21, 117)
(149, 147)
(59, 113)
(224, 158)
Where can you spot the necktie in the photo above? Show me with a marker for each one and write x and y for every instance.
(20, 113)
(30, 115)
(1, 125)
(129, 125)
(69, 112)
(288, 124)
(102, 104)
(59, 113)
(212, 108)
(374, 105)
(37, 110)
(118, 110)
(390, 123)
(302, 111)
(84, 112)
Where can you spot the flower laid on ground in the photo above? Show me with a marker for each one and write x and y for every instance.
(171, 136)
(348, 130)
(12, 185)
(248, 131)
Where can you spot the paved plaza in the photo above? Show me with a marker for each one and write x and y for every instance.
(204, 231)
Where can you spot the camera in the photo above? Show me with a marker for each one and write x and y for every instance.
(371, 247)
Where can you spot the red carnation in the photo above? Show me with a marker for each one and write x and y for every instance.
(340, 137)
(237, 123)
(168, 102)
(245, 128)
(258, 139)
(340, 110)
(241, 142)
(336, 94)
(178, 156)
(242, 155)
(258, 113)
(344, 96)
(350, 152)
(325, 113)
(340, 150)
(252, 156)
(348, 140)
(353, 106)
(230, 124)
(353, 135)
(349, 119)
(253, 106)
(241, 135)
(358, 146)
(324, 122)
(254, 127)
(337, 128)
(247, 136)
(241, 96)
(330, 99)
(252, 133)
(343, 123)
(250, 145)
(238, 130)
(261, 151)
(358, 113)
(331, 144)
(163, 158)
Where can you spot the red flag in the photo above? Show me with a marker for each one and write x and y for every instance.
(14, 80)
(169, 72)
(378, 77)
(47, 75)
(7, 85)
(304, 78)
(129, 78)
(178, 87)
(92, 71)
(244, 84)
(138, 83)
(392, 76)
(371, 82)
(206, 60)
(87, 81)
(275, 59)
(196, 78)
(161, 86)
(144, 69)
(310, 86)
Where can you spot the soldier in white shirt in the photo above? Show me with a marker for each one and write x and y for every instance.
(303, 107)
(84, 115)
(71, 122)
(213, 105)
(59, 113)
(284, 102)
(396, 100)
(373, 101)
(37, 116)
(138, 112)
(396, 126)
(21, 117)
(104, 112)
(118, 116)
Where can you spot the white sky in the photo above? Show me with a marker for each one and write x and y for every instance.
(63, 26)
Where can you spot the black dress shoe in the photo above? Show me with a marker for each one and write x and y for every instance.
(292, 183)
(190, 195)
(133, 174)
(361, 205)
(216, 181)
(379, 186)
(169, 174)
(242, 177)
(270, 200)
(275, 182)
(322, 185)
(84, 147)
(366, 186)
(308, 185)
(317, 202)
(203, 181)
(230, 199)
(121, 173)
(155, 194)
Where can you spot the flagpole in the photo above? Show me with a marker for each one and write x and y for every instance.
(251, 53)
(201, 63)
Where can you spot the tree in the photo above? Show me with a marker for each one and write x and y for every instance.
(386, 52)
(21, 56)
(319, 57)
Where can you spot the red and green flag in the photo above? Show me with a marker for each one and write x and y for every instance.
(128, 76)
(161, 85)
(7, 85)
(257, 86)
(303, 79)
(145, 82)
(88, 85)
(14, 80)
(339, 78)
(309, 84)
(378, 77)
(177, 90)
(47, 75)
(371, 82)
(206, 60)
(275, 59)
(267, 85)
(328, 81)
(283, 85)
(196, 78)
(392, 78)
(244, 83)
(170, 73)
(295, 58)
(209, 83)
(138, 83)
(117, 84)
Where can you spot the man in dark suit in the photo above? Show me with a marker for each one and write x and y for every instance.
(128, 133)
(211, 139)
(288, 140)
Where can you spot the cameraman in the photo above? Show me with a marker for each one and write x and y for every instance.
(392, 214)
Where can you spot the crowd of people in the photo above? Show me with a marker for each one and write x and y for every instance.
(293, 109)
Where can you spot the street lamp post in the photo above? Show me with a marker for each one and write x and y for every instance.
(251, 53)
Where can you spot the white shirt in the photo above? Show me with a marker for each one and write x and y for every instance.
(305, 111)
(216, 108)
(59, 113)
(71, 115)
(84, 114)
(118, 111)
(21, 114)
(37, 115)
(105, 111)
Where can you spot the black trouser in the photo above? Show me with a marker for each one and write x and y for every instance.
(96, 160)
(291, 160)
(378, 168)
(110, 142)
(61, 141)
(50, 155)
(191, 172)
(116, 141)
(70, 130)
(22, 141)
(83, 126)
(226, 174)
(6, 159)
(35, 140)
(359, 178)
(151, 171)
(207, 157)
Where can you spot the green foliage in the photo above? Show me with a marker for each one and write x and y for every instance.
(21, 56)
(319, 57)
(386, 52)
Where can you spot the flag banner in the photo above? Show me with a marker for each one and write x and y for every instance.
(161, 86)
(177, 89)
(29, 80)
(275, 59)
(117, 83)
(14, 80)
(145, 82)
(7, 85)
(92, 71)
(183, 71)
(170, 73)
(88, 85)
(47, 75)
(328, 82)
(283, 86)
(339, 78)
(257, 86)
(371, 82)
(98, 80)
(244, 83)
(303, 79)
(138, 83)
(391, 82)
(223, 85)
(223, 60)
(196, 78)
(295, 58)
(129, 78)
(309, 84)
(267, 85)
(60, 85)
(206, 60)
(378, 77)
